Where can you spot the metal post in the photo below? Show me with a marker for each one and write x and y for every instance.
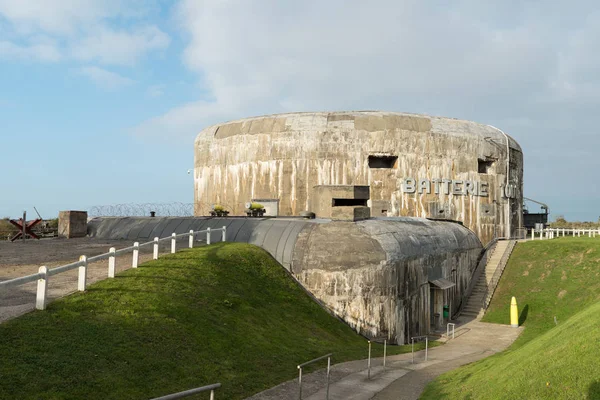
(136, 255)
(173, 242)
(369, 362)
(42, 288)
(212, 394)
(191, 239)
(413, 349)
(24, 225)
(532, 234)
(426, 346)
(299, 383)
(224, 234)
(82, 278)
(155, 251)
(111, 263)
(207, 235)
(328, 369)
(384, 351)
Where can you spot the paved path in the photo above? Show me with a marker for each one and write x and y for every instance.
(401, 379)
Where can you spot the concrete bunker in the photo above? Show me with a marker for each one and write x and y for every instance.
(387, 278)
(414, 165)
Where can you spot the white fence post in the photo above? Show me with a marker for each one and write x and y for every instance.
(173, 242)
(111, 262)
(191, 239)
(207, 235)
(136, 255)
(224, 234)
(82, 278)
(532, 234)
(42, 288)
(155, 251)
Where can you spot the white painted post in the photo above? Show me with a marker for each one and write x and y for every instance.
(42, 288)
(207, 235)
(173, 242)
(384, 351)
(532, 234)
(136, 255)
(369, 363)
(191, 239)
(155, 251)
(224, 239)
(111, 262)
(590, 233)
(82, 278)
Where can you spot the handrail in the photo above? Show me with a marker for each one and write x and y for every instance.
(491, 287)
(481, 264)
(314, 361)
(190, 392)
(300, 366)
(44, 273)
(20, 280)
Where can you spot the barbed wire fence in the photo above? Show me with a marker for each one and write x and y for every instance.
(143, 210)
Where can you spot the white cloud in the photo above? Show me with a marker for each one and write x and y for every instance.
(114, 47)
(105, 79)
(37, 52)
(491, 62)
(87, 30)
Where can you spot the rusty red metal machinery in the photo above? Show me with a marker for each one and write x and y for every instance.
(24, 227)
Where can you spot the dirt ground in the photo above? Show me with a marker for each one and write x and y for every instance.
(24, 258)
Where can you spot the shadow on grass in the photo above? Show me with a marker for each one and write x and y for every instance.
(523, 316)
(594, 391)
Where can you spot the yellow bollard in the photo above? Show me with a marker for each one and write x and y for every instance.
(514, 313)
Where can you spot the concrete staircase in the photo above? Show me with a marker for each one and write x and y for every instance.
(474, 307)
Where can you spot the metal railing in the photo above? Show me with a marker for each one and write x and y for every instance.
(326, 356)
(44, 273)
(369, 359)
(181, 395)
(483, 260)
(412, 340)
(552, 233)
(491, 287)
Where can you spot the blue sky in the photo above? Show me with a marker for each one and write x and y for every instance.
(100, 102)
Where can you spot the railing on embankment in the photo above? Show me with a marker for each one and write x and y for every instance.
(44, 273)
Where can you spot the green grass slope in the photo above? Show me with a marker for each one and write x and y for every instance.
(549, 278)
(223, 313)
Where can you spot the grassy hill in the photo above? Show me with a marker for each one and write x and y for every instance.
(222, 313)
(556, 278)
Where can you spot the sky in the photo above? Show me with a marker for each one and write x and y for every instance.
(100, 101)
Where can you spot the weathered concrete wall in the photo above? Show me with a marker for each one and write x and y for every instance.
(72, 224)
(285, 156)
(375, 274)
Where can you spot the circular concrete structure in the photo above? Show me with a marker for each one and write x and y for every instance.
(414, 165)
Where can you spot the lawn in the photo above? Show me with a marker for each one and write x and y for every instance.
(225, 313)
(554, 278)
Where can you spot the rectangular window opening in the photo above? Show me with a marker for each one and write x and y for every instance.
(382, 161)
(484, 166)
(348, 202)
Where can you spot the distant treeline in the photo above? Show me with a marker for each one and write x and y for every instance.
(561, 222)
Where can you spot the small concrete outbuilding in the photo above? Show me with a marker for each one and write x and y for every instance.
(72, 224)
